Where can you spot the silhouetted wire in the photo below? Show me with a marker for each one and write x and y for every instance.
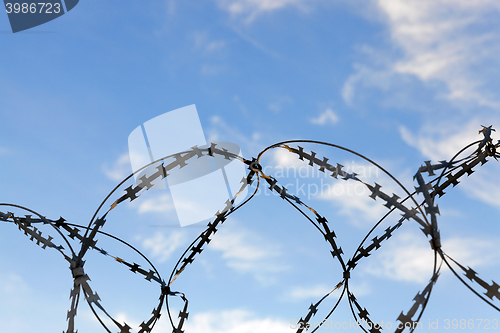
(430, 228)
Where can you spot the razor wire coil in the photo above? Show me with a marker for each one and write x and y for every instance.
(423, 212)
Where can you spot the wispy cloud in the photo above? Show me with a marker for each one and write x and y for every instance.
(250, 9)
(248, 252)
(405, 258)
(119, 169)
(157, 204)
(328, 117)
(442, 142)
(486, 187)
(365, 76)
(226, 321)
(210, 50)
(409, 258)
(122, 317)
(235, 321)
(161, 246)
(203, 43)
(353, 199)
(473, 251)
(449, 46)
(315, 292)
(440, 40)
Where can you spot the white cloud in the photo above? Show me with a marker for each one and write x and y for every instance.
(250, 9)
(445, 40)
(486, 186)
(316, 292)
(442, 142)
(120, 169)
(353, 200)
(205, 44)
(367, 77)
(348, 89)
(450, 46)
(161, 246)
(283, 158)
(235, 321)
(407, 257)
(361, 289)
(215, 45)
(328, 117)
(259, 46)
(313, 292)
(226, 321)
(248, 252)
(209, 49)
(473, 252)
(158, 204)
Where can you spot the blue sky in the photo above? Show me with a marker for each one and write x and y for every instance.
(398, 81)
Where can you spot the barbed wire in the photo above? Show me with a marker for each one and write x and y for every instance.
(418, 206)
